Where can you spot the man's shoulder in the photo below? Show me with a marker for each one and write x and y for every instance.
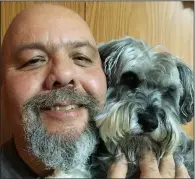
(12, 165)
(7, 170)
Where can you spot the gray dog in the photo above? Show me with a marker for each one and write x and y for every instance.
(149, 95)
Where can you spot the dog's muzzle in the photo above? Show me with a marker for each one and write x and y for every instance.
(149, 118)
(147, 121)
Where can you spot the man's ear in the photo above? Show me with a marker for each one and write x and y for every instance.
(187, 100)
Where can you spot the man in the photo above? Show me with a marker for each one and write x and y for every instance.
(52, 87)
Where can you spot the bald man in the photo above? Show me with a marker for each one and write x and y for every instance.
(53, 86)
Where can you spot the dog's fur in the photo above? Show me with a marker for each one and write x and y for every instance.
(149, 95)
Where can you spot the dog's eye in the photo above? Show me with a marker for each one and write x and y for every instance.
(169, 92)
(130, 79)
(172, 89)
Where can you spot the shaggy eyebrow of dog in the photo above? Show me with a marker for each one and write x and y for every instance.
(132, 79)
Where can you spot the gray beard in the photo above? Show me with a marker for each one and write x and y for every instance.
(56, 150)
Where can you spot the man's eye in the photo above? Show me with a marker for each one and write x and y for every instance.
(34, 63)
(82, 60)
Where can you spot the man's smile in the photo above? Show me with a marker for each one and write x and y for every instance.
(64, 111)
(64, 108)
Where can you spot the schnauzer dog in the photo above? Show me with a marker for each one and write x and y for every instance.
(150, 94)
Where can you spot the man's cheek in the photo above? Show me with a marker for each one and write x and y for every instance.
(21, 89)
(97, 88)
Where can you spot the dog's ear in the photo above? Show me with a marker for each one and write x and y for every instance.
(187, 100)
(113, 48)
(109, 54)
(106, 49)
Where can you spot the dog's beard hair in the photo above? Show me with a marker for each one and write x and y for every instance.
(116, 124)
(116, 116)
(115, 130)
(57, 150)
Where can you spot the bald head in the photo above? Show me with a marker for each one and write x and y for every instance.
(42, 21)
(41, 13)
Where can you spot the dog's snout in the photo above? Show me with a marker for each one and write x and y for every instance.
(148, 122)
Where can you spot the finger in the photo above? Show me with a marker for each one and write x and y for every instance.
(167, 167)
(148, 165)
(181, 172)
(118, 169)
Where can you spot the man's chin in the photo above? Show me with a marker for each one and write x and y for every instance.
(69, 128)
(68, 149)
(68, 132)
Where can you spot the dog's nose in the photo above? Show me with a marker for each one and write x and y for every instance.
(148, 122)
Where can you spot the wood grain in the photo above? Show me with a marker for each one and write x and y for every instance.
(166, 23)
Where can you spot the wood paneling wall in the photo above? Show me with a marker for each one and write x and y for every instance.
(163, 22)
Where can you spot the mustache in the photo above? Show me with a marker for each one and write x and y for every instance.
(56, 96)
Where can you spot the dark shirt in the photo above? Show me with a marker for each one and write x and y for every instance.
(12, 166)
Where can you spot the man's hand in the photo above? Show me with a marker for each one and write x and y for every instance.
(118, 169)
(149, 167)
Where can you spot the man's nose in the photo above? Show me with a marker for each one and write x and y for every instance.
(61, 74)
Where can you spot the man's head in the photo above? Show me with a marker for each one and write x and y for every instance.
(53, 82)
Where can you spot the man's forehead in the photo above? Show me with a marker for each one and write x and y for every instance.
(52, 47)
(52, 38)
(51, 24)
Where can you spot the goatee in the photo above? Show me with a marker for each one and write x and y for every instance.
(53, 149)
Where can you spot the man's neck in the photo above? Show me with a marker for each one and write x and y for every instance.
(33, 163)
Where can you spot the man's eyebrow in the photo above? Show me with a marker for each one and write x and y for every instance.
(78, 44)
(50, 47)
(36, 45)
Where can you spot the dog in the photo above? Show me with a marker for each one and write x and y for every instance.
(150, 94)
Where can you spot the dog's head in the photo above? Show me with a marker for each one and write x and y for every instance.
(149, 93)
